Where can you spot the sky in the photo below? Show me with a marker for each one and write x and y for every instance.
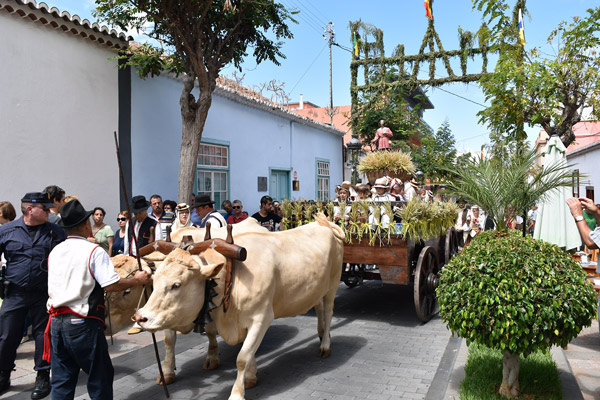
(305, 70)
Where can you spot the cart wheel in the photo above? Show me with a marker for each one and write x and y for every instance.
(451, 248)
(353, 276)
(426, 281)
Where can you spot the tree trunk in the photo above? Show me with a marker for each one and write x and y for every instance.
(191, 134)
(510, 375)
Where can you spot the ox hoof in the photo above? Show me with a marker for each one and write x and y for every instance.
(250, 382)
(210, 364)
(169, 378)
(324, 353)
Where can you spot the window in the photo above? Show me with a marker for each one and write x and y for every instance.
(212, 172)
(575, 183)
(322, 180)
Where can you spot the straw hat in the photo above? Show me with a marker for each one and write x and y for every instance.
(381, 183)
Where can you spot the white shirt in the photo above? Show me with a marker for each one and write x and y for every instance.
(74, 267)
(136, 228)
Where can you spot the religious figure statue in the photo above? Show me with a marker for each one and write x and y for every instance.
(382, 137)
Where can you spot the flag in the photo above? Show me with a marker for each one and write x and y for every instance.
(521, 29)
(355, 52)
(428, 12)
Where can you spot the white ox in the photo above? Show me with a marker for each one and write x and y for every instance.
(123, 305)
(285, 274)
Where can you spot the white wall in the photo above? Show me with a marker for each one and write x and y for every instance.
(257, 140)
(58, 111)
(587, 163)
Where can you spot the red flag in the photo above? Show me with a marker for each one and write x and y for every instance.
(428, 12)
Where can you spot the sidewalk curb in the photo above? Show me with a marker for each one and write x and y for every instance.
(451, 365)
(570, 387)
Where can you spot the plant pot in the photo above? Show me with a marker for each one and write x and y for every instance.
(372, 176)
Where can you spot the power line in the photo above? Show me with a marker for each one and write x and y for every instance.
(309, 13)
(315, 23)
(315, 8)
(462, 97)
(311, 64)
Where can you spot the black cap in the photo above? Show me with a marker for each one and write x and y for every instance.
(73, 214)
(139, 204)
(203, 200)
(38, 198)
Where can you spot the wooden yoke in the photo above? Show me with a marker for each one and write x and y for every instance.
(229, 250)
(160, 245)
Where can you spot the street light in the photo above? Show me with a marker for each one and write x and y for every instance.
(355, 146)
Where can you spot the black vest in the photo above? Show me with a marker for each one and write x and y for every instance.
(143, 234)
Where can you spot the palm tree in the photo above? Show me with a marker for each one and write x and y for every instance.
(517, 182)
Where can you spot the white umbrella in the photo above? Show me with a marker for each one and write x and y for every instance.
(554, 222)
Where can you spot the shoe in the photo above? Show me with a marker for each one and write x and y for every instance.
(134, 331)
(4, 380)
(42, 385)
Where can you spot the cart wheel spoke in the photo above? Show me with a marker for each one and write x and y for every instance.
(425, 283)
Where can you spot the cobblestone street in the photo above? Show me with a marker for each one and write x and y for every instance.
(380, 350)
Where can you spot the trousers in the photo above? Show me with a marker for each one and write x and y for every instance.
(79, 343)
(15, 308)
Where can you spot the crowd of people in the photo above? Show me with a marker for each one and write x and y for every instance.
(55, 238)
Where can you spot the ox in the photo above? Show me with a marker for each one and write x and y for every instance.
(285, 274)
(122, 305)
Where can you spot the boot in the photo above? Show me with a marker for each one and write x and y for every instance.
(4, 380)
(42, 385)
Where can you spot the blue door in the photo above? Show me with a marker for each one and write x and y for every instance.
(279, 187)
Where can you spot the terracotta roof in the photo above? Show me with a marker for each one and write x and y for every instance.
(587, 133)
(232, 90)
(62, 20)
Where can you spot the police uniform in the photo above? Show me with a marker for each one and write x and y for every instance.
(27, 277)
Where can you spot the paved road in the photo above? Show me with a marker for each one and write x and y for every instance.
(380, 350)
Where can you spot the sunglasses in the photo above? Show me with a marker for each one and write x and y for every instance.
(43, 207)
(122, 219)
(236, 207)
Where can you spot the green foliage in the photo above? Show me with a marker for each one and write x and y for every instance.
(515, 293)
(202, 34)
(436, 152)
(494, 185)
(536, 88)
(422, 220)
(538, 375)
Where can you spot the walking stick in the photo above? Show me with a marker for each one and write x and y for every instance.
(139, 261)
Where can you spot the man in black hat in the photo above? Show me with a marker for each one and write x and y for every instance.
(26, 243)
(76, 308)
(141, 227)
(205, 210)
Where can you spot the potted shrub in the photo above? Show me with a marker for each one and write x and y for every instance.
(506, 290)
(395, 164)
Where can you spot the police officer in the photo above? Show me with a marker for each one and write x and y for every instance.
(26, 243)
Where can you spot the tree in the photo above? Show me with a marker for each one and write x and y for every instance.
(436, 152)
(534, 88)
(197, 39)
(382, 102)
(490, 291)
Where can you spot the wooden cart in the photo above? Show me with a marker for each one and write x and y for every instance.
(402, 262)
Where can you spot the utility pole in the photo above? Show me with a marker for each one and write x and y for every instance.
(330, 37)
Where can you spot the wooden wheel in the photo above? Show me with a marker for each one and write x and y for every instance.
(451, 248)
(426, 281)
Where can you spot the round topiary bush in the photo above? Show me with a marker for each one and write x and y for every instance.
(516, 294)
